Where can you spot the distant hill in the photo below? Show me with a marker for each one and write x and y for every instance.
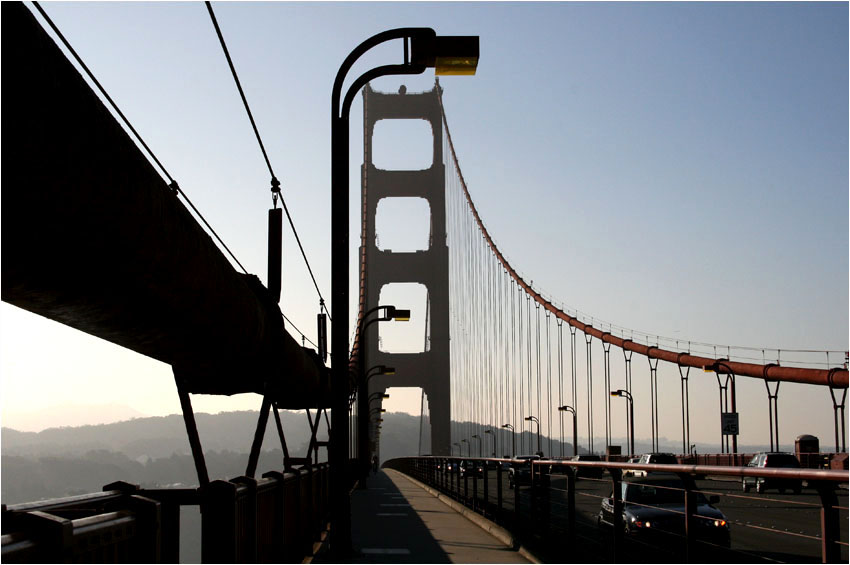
(69, 415)
(154, 451)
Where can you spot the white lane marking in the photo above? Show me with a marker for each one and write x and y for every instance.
(385, 551)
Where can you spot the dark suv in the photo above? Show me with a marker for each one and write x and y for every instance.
(773, 461)
(520, 471)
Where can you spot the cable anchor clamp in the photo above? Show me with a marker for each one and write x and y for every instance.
(275, 190)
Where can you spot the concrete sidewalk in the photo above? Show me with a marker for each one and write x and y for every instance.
(396, 521)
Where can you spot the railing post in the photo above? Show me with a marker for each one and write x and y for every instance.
(516, 502)
(305, 511)
(618, 515)
(444, 474)
(571, 503)
(218, 522)
(830, 530)
(170, 537)
(248, 526)
(532, 495)
(690, 524)
(546, 488)
(498, 492)
(149, 521)
(486, 472)
(456, 468)
(278, 512)
(465, 487)
(474, 491)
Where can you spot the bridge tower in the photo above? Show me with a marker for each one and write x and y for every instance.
(429, 369)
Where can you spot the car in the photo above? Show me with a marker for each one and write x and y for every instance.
(654, 459)
(654, 506)
(588, 472)
(471, 468)
(631, 472)
(520, 471)
(772, 460)
(560, 469)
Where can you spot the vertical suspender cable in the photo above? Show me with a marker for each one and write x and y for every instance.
(528, 343)
(588, 338)
(549, 382)
(539, 391)
(573, 374)
(561, 379)
(521, 370)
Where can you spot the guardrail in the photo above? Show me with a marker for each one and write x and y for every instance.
(274, 519)
(551, 505)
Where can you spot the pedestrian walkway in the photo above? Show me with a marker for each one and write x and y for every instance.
(396, 521)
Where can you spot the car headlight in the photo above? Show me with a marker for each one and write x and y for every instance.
(715, 522)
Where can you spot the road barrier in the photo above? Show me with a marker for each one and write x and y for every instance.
(275, 519)
(554, 506)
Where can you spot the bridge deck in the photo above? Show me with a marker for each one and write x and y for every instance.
(396, 521)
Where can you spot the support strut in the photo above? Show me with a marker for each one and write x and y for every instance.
(686, 409)
(838, 409)
(773, 413)
(627, 356)
(653, 391)
(588, 338)
(606, 348)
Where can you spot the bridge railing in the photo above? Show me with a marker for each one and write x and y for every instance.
(277, 518)
(562, 505)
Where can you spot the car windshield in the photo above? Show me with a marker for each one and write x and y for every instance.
(651, 494)
(782, 460)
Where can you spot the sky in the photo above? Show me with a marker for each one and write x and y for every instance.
(675, 168)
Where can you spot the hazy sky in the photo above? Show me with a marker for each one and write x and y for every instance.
(680, 169)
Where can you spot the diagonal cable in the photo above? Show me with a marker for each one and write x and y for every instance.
(275, 183)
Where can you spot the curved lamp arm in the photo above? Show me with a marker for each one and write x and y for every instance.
(383, 37)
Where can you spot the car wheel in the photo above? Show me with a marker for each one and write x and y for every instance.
(746, 486)
(760, 488)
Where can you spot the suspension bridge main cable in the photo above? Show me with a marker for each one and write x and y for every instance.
(275, 183)
(172, 183)
(835, 377)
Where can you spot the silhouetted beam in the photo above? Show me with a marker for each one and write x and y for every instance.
(93, 238)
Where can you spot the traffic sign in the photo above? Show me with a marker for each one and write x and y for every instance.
(729, 423)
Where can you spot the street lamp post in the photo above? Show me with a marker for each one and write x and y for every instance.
(468, 448)
(575, 426)
(456, 55)
(459, 453)
(534, 419)
(493, 439)
(513, 438)
(390, 312)
(627, 394)
(363, 420)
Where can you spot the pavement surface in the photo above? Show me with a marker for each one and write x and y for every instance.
(396, 521)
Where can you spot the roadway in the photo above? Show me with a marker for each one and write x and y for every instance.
(764, 527)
